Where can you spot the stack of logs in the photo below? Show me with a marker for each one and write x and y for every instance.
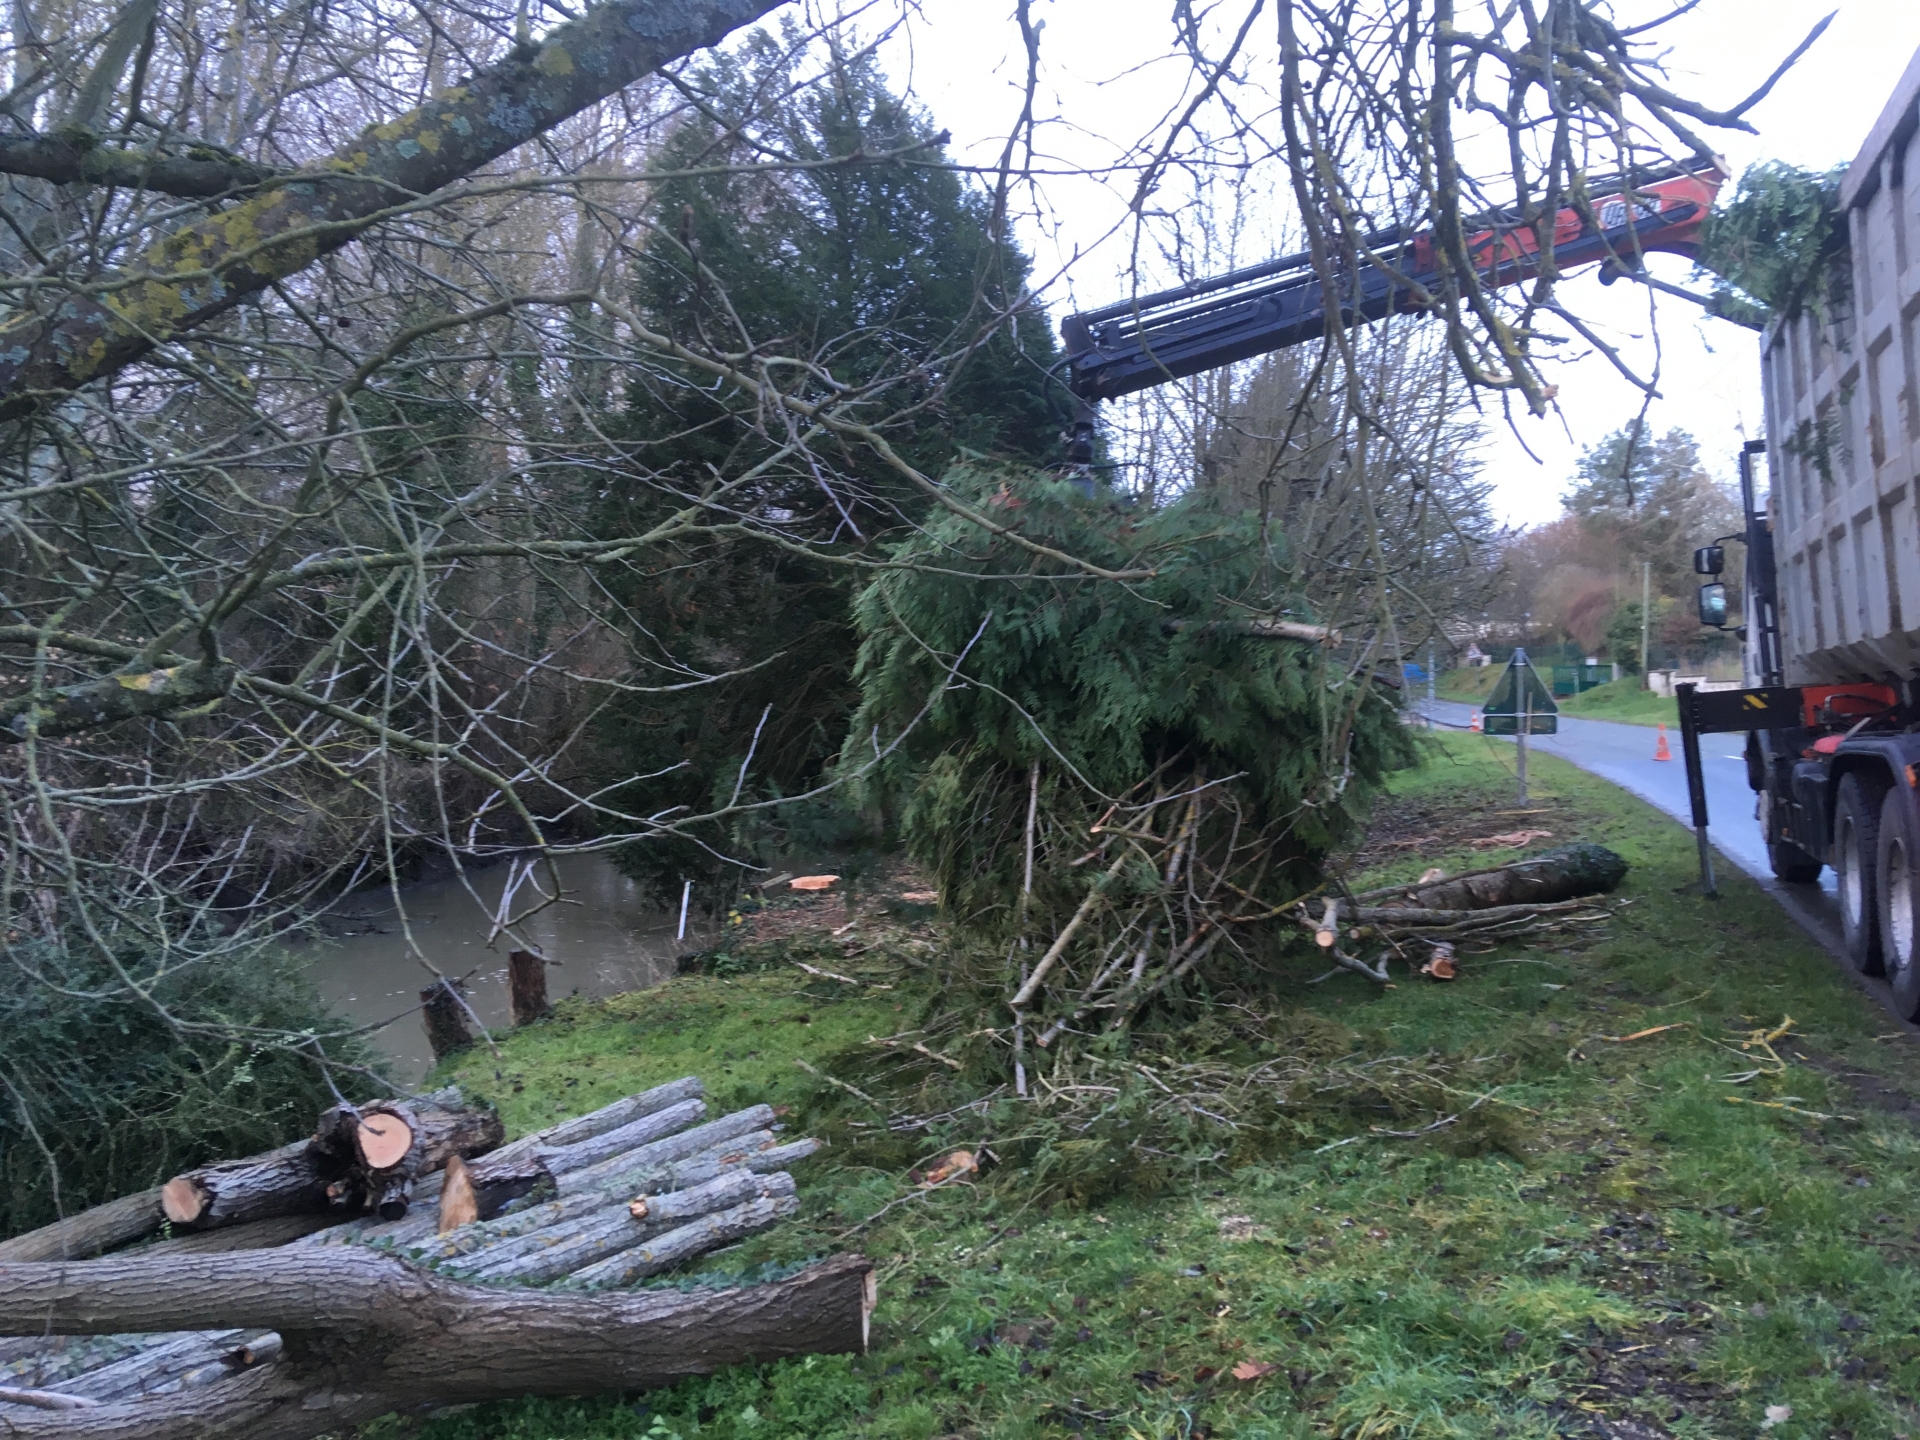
(405, 1257)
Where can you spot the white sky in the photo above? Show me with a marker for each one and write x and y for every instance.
(963, 61)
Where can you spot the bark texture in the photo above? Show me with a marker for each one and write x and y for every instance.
(73, 157)
(90, 1232)
(1564, 874)
(366, 1333)
(204, 270)
(289, 1181)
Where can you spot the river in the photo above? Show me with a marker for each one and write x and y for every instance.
(599, 940)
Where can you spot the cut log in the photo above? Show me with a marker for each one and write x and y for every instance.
(1564, 874)
(558, 1250)
(457, 1204)
(432, 1135)
(90, 1232)
(386, 1335)
(255, 1235)
(379, 1152)
(383, 1139)
(672, 1147)
(349, 1165)
(563, 1158)
(289, 1181)
(677, 1246)
(610, 1117)
(444, 1012)
(527, 987)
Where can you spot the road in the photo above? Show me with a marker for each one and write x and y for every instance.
(1624, 755)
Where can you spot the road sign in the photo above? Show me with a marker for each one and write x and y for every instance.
(1521, 703)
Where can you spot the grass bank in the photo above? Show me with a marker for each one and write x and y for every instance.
(1469, 685)
(1623, 700)
(1679, 1227)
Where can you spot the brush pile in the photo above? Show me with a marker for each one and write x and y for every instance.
(1119, 786)
(340, 1313)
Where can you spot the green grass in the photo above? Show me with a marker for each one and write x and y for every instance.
(1622, 700)
(1471, 686)
(1652, 1251)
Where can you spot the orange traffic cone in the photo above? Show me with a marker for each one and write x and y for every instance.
(1660, 750)
(1477, 727)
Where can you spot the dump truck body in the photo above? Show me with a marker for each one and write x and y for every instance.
(1842, 388)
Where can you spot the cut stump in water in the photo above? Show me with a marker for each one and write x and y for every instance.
(527, 987)
(443, 1010)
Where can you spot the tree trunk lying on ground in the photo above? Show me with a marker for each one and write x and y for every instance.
(90, 1232)
(1568, 873)
(326, 1331)
(365, 1333)
(1546, 892)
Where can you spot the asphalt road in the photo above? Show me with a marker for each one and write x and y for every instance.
(1624, 755)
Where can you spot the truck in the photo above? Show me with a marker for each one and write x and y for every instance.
(1830, 698)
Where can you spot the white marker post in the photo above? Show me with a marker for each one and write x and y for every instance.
(686, 894)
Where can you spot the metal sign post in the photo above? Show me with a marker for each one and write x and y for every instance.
(1696, 783)
(1526, 724)
(1520, 706)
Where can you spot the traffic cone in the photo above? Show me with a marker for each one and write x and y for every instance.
(1477, 727)
(1660, 750)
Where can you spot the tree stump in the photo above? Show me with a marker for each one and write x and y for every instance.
(444, 1012)
(527, 986)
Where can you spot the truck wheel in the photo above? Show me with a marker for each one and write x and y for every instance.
(1856, 851)
(1899, 852)
(1792, 864)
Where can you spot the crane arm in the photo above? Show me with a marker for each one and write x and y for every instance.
(1148, 341)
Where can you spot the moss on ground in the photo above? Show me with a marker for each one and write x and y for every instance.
(1655, 1261)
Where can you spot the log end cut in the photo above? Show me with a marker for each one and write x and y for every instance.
(383, 1139)
(183, 1200)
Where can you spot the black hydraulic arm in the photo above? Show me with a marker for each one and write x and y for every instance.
(1135, 344)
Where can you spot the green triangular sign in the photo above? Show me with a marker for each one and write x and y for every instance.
(1521, 693)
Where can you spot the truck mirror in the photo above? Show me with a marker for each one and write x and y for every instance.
(1709, 560)
(1713, 605)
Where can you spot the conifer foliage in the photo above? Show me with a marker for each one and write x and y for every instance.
(863, 251)
(1120, 786)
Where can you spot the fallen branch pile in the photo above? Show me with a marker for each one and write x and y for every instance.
(490, 1281)
(1184, 873)
(1544, 893)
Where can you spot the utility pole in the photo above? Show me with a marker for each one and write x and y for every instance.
(1646, 616)
(1430, 685)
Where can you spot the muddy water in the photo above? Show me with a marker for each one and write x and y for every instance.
(599, 940)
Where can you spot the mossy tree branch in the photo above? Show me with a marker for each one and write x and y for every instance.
(203, 270)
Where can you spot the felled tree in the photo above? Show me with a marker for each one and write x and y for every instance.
(1124, 782)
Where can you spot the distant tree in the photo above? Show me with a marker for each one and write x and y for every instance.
(1647, 498)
